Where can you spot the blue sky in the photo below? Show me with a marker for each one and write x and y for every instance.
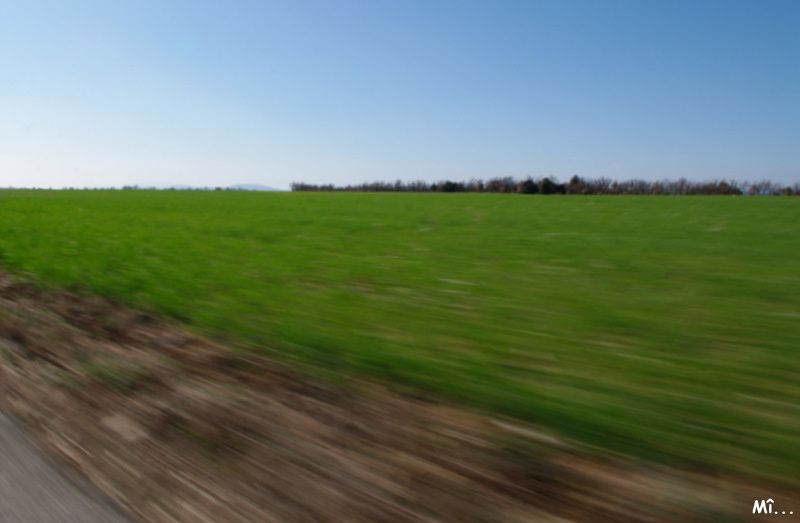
(215, 93)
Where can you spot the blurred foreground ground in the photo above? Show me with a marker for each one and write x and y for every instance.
(174, 428)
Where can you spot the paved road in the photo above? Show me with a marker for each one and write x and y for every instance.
(32, 491)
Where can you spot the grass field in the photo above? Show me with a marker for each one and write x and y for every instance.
(667, 328)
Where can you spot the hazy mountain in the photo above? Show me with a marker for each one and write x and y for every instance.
(251, 187)
(183, 187)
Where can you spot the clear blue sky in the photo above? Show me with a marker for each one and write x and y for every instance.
(210, 93)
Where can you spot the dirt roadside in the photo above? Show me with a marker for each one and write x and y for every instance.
(175, 428)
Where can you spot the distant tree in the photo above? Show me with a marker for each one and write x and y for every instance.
(548, 186)
(727, 188)
(764, 188)
(475, 185)
(527, 186)
(576, 185)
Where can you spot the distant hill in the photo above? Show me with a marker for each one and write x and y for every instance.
(251, 187)
(182, 187)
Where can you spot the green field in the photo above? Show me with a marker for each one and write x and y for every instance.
(667, 328)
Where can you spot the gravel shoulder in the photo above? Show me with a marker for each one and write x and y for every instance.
(33, 491)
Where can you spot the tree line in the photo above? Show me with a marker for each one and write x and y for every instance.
(576, 185)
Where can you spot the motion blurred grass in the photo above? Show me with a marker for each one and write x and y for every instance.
(667, 328)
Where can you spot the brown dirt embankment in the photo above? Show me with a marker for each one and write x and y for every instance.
(176, 428)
